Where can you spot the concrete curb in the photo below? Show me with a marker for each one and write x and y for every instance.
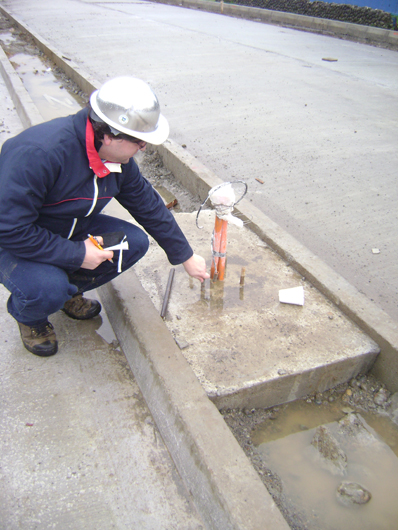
(348, 30)
(227, 491)
(26, 109)
(198, 180)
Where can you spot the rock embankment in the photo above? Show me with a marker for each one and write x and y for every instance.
(365, 16)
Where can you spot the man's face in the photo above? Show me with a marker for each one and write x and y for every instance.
(120, 150)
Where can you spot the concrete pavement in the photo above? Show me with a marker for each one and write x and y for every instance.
(79, 447)
(137, 345)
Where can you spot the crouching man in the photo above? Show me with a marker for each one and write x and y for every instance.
(55, 179)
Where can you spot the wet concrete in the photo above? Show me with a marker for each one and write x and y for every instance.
(53, 95)
(43, 87)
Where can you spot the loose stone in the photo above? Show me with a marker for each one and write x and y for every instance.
(381, 397)
(349, 493)
(332, 457)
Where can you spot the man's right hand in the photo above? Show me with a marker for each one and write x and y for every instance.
(94, 256)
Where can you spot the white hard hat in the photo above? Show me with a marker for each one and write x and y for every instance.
(129, 105)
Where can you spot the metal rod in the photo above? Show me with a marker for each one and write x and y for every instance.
(242, 276)
(167, 293)
(172, 204)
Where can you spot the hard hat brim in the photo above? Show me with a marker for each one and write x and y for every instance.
(156, 137)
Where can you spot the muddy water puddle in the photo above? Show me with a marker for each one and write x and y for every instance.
(45, 90)
(311, 475)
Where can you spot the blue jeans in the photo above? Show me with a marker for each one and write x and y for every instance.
(38, 290)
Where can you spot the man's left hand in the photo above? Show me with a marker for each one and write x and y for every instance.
(196, 267)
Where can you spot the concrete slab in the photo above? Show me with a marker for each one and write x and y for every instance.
(79, 447)
(245, 347)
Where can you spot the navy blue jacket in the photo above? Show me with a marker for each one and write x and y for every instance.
(46, 183)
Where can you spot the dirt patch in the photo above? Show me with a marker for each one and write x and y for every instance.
(163, 180)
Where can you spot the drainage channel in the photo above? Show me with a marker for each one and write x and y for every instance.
(329, 460)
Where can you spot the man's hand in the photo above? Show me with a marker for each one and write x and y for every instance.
(196, 267)
(94, 256)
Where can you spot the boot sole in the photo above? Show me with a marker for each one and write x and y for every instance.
(42, 353)
(89, 315)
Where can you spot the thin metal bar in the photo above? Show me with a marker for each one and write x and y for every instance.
(242, 277)
(167, 293)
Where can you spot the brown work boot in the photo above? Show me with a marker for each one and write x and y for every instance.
(81, 308)
(40, 340)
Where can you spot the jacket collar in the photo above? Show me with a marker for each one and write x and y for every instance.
(95, 162)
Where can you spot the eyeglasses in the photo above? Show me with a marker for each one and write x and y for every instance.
(141, 143)
(123, 136)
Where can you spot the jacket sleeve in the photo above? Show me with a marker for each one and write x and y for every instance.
(26, 174)
(144, 203)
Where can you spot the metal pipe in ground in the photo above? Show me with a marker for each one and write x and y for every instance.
(167, 293)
